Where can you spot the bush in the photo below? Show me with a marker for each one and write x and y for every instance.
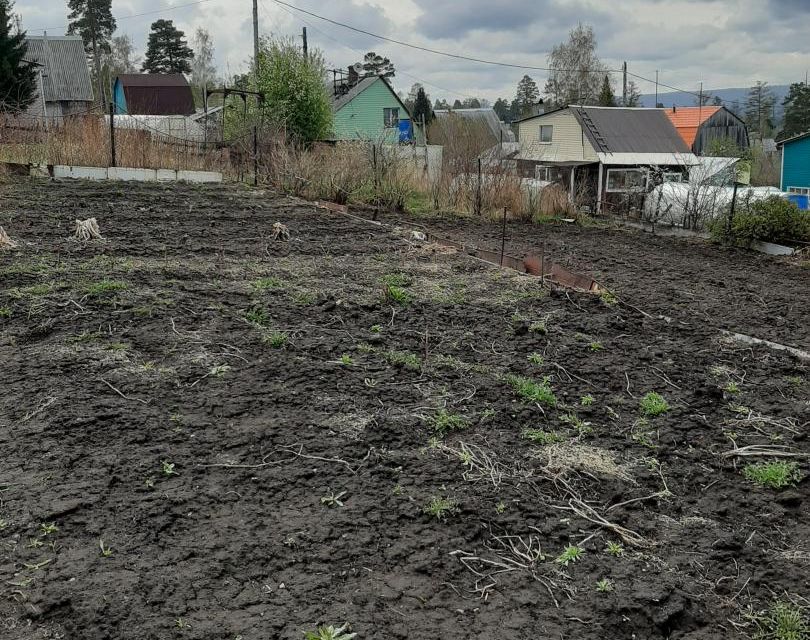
(774, 219)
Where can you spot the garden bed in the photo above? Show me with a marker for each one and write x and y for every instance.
(208, 433)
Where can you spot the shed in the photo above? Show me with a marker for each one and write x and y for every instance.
(699, 126)
(796, 167)
(153, 94)
(488, 119)
(64, 84)
(370, 110)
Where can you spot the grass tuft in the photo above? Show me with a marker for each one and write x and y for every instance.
(774, 475)
(397, 295)
(654, 404)
(440, 508)
(569, 555)
(104, 287)
(265, 284)
(444, 422)
(538, 436)
(532, 390)
(783, 621)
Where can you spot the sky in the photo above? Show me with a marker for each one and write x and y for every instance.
(722, 43)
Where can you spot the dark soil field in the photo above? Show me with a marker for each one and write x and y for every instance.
(206, 433)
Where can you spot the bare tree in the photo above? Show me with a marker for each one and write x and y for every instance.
(203, 71)
(577, 74)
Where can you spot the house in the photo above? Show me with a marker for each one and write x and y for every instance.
(604, 156)
(796, 169)
(153, 95)
(370, 109)
(63, 81)
(701, 126)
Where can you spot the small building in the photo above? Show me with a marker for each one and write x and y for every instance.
(485, 118)
(701, 126)
(796, 168)
(370, 110)
(64, 87)
(152, 94)
(604, 156)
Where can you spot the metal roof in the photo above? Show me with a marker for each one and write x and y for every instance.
(687, 120)
(659, 159)
(153, 94)
(630, 130)
(801, 136)
(485, 115)
(65, 74)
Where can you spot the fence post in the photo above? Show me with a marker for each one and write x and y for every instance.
(374, 169)
(478, 203)
(255, 155)
(730, 221)
(112, 135)
(503, 236)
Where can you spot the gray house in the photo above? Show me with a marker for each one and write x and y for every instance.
(64, 84)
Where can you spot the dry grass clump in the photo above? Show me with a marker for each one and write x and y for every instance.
(564, 457)
(5, 241)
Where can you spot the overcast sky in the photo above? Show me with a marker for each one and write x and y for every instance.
(724, 43)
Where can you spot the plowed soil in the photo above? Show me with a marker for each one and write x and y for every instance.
(207, 433)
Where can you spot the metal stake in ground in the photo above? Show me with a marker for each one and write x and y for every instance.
(503, 236)
(112, 135)
(478, 195)
(255, 156)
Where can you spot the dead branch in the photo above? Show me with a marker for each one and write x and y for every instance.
(87, 230)
(591, 515)
(121, 394)
(764, 450)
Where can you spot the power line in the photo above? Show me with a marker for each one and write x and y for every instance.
(361, 53)
(436, 51)
(137, 15)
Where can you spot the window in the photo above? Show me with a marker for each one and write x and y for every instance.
(802, 191)
(673, 176)
(626, 180)
(542, 173)
(546, 133)
(391, 118)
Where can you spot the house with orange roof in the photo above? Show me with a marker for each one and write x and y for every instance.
(699, 127)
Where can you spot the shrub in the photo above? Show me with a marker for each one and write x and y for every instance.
(773, 219)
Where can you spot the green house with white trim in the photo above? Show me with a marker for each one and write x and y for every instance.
(371, 110)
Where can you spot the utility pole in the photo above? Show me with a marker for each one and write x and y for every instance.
(256, 41)
(656, 88)
(624, 84)
(306, 48)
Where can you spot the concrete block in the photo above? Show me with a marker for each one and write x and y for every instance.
(39, 171)
(136, 175)
(79, 173)
(199, 176)
(166, 175)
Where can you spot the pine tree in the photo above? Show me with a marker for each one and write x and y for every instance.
(527, 96)
(422, 112)
(503, 109)
(457, 104)
(94, 22)
(759, 109)
(606, 97)
(377, 65)
(18, 80)
(167, 50)
(797, 111)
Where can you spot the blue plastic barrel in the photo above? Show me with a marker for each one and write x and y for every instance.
(801, 201)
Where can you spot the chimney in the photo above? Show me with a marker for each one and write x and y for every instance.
(674, 109)
(538, 108)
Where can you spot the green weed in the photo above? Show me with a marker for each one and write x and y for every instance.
(106, 551)
(330, 633)
(397, 295)
(275, 339)
(47, 528)
(615, 549)
(608, 298)
(569, 555)
(732, 387)
(654, 404)
(586, 401)
(397, 280)
(500, 507)
(444, 422)
(604, 586)
(536, 358)
(583, 428)
(376, 328)
(774, 475)
(218, 371)
(334, 499)
(783, 621)
(34, 291)
(264, 284)
(104, 287)
(538, 436)
(257, 316)
(596, 346)
(346, 360)
(440, 508)
(532, 390)
(167, 468)
(539, 327)
(404, 359)
(5, 312)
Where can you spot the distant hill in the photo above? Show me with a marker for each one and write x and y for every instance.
(734, 98)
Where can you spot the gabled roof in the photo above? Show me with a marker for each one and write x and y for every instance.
(687, 120)
(341, 100)
(153, 94)
(630, 130)
(65, 74)
(484, 115)
(801, 136)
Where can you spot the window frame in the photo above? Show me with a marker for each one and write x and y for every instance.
(394, 122)
(799, 191)
(645, 173)
(550, 127)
